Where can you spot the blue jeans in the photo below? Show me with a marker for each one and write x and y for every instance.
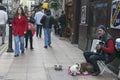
(18, 39)
(47, 36)
(92, 58)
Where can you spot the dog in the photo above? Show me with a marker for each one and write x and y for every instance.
(86, 68)
(75, 69)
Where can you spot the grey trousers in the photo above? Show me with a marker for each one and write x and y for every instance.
(3, 32)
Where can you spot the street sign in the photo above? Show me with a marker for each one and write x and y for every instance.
(115, 14)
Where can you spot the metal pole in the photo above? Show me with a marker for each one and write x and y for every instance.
(10, 49)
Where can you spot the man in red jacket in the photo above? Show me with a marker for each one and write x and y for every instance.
(105, 50)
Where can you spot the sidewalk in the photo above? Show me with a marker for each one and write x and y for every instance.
(34, 65)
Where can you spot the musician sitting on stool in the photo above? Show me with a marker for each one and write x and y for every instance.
(105, 50)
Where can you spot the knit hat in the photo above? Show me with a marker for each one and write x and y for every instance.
(102, 27)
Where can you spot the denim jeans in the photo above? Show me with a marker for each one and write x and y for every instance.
(92, 58)
(47, 36)
(17, 40)
(3, 32)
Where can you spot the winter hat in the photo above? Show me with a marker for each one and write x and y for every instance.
(102, 27)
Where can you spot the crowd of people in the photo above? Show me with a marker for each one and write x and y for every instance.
(25, 24)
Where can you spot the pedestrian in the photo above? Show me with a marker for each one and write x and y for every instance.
(19, 28)
(37, 17)
(56, 26)
(26, 10)
(10, 16)
(47, 22)
(30, 31)
(62, 20)
(105, 50)
(3, 21)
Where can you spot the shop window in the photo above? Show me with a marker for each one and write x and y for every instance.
(99, 14)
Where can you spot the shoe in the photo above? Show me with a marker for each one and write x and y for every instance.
(16, 55)
(45, 46)
(3, 43)
(32, 48)
(22, 52)
(60, 67)
(55, 67)
(96, 73)
(26, 47)
(49, 45)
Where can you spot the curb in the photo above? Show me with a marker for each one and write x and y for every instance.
(3, 48)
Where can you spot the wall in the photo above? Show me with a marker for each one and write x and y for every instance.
(76, 20)
(83, 28)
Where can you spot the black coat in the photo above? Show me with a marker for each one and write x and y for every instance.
(50, 22)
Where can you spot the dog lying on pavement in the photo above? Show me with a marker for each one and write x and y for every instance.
(86, 68)
(83, 68)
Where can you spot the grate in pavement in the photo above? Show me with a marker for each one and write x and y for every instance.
(59, 75)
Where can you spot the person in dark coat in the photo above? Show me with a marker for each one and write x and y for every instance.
(62, 20)
(47, 22)
(56, 25)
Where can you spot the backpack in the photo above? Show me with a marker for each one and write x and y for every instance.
(117, 47)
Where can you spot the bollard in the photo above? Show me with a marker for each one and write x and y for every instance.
(10, 49)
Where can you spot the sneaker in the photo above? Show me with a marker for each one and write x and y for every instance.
(16, 55)
(60, 67)
(45, 46)
(22, 52)
(49, 45)
(55, 67)
(96, 73)
(3, 43)
(26, 47)
(32, 48)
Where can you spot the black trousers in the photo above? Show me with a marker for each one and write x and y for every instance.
(62, 30)
(29, 36)
(39, 30)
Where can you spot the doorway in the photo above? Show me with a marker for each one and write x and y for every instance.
(99, 13)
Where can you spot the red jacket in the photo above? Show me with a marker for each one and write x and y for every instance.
(109, 47)
(19, 26)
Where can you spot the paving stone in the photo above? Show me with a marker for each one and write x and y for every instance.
(38, 64)
(59, 75)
